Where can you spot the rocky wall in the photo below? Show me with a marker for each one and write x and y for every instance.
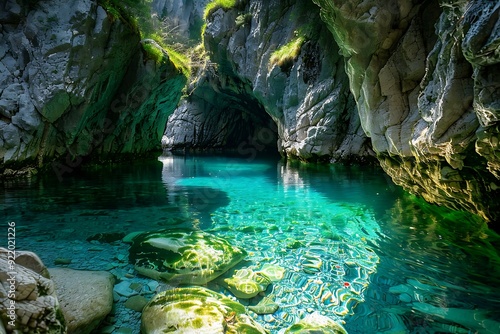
(76, 83)
(423, 76)
(303, 101)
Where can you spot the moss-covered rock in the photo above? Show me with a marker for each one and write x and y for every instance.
(245, 283)
(273, 271)
(183, 256)
(266, 305)
(196, 310)
(317, 324)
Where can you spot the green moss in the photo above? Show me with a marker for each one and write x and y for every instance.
(154, 53)
(287, 54)
(216, 4)
(137, 14)
(127, 11)
(60, 317)
(203, 29)
(243, 19)
(197, 323)
(180, 61)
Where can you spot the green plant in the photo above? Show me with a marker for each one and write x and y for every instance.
(153, 51)
(286, 54)
(137, 13)
(213, 5)
(243, 19)
(127, 11)
(180, 61)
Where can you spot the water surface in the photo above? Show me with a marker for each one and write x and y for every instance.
(355, 246)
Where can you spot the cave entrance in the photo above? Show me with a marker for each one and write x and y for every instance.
(247, 128)
(224, 121)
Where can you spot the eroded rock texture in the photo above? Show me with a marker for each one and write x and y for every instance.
(182, 18)
(28, 298)
(425, 79)
(247, 100)
(74, 82)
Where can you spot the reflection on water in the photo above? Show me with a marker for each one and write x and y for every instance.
(355, 246)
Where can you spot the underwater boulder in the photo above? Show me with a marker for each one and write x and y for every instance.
(245, 283)
(183, 256)
(196, 310)
(266, 305)
(85, 297)
(316, 323)
(273, 271)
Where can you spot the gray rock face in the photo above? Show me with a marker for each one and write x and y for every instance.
(181, 17)
(74, 83)
(415, 84)
(255, 96)
(427, 97)
(421, 87)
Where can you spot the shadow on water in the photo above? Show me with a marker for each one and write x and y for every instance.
(123, 197)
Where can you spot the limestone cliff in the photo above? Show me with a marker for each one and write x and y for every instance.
(425, 78)
(275, 74)
(75, 82)
(422, 85)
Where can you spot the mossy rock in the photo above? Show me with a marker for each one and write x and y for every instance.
(245, 283)
(196, 310)
(183, 256)
(266, 305)
(273, 271)
(317, 324)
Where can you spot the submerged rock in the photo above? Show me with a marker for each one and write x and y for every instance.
(196, 310)
(28, 298)
(273, 271)
(265, 306)
(245, 283)
(136, 303)
(86, 297)
(108, 237)
(317, 324)
(183, 256)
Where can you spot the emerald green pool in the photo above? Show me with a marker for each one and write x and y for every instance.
(355, 246)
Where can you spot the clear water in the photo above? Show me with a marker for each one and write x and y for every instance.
(355, 247)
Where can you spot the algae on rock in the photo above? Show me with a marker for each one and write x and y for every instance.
(183, 256)
(245, 283)
(196, 310)
(316, 323)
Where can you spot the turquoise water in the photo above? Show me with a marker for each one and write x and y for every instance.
(354, 246)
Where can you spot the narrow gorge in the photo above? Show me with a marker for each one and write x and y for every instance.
(279, 153)
(408, 83)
